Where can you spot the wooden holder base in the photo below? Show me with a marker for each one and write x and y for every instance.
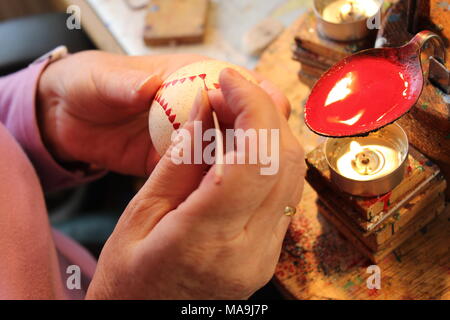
(378, 225)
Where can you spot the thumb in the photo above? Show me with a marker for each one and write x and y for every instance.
(243, 103)
(171, 183)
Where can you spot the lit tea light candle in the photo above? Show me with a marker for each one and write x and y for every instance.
(345, 20)
(343, 11)
(368, 162)
(368, 166)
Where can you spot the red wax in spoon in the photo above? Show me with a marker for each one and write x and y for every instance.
(360, 95)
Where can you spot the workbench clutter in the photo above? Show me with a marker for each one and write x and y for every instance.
(381, 174)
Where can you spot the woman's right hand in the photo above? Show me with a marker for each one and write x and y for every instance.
(185, 237)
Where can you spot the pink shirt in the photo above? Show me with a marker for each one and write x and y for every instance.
(34, 258)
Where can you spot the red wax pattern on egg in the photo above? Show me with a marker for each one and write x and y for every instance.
(360, 95)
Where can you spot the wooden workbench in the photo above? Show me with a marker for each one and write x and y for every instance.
(316, 261)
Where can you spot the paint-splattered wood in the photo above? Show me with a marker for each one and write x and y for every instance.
(316, 261)
(368, 246)
(413, 216)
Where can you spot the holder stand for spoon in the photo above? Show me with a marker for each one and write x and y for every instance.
(428, 122)
(437, 73)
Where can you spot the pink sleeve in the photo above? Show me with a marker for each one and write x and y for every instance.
(34, 258)
(18, 114)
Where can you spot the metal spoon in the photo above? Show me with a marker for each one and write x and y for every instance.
(358, 110)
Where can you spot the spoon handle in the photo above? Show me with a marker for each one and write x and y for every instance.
(438, 74)
(422, 38)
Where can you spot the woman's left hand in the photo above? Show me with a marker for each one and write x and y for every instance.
(93, 108)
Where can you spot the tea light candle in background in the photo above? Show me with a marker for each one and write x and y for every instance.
(342, 11)
(345, 20)
(368, 166)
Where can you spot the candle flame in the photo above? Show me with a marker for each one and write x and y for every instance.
(346, 9)
(387, 160)
(355, 147)
(370, 8)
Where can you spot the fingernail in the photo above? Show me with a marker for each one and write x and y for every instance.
(233, 73)
(144, 83)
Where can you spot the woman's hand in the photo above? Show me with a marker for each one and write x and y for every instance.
(93, 108)
(185, 237)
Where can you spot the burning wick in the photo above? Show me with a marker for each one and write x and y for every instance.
(219, 149)
(367, 162)
(347, 12)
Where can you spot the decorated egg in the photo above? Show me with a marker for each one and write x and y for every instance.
(174, 100)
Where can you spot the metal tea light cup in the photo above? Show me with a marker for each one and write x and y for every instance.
(393, 135)
(342, 31)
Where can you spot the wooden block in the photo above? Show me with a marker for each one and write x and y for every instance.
(309, 39)
(420, 171)
(175, 21)
(311, 59)
(414, 226)
(303, 55)
(311, 71)
(406, 214)
(378, 254)
(384, 232)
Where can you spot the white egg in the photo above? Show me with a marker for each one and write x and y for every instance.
(173, 102)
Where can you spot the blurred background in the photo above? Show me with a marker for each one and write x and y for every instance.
(122, 25)
(19, 8)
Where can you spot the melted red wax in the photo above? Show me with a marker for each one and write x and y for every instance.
(360, 95)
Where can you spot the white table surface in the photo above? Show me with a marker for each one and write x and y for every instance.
(228, 21)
